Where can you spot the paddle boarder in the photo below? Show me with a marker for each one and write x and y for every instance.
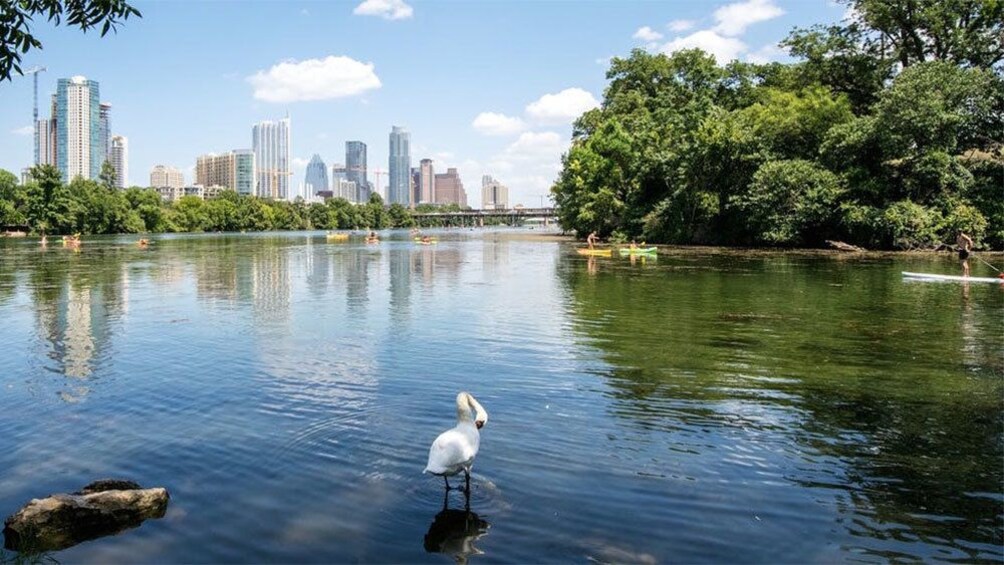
(964, 244)
(591, 238)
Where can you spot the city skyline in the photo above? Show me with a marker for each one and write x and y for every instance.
(502, 114)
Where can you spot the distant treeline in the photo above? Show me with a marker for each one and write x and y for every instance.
(46, 204)
(886, 132)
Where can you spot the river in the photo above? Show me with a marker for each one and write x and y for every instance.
(702, 406)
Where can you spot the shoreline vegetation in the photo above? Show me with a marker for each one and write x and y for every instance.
(885, 132)
(46, 205)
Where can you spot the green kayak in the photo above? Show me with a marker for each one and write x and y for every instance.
(638, 251)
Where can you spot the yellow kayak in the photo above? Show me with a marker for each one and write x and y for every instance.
(595, 252)
(338, 236)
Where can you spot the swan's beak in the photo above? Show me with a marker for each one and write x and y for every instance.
(479, 423)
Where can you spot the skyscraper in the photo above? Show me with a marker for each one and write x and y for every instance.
(416, 185)
(166, 177)
(355, 169)
(399, 165)
(105, 125)
(46, 142)
(427, 187)
(316, 178)
(450, 189)
(270, 141)
(79, 150)
(494, 195)
(234, 170)
(119, 158)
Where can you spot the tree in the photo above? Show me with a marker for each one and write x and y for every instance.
(16, 17)
(399, 217)
(791, 202)
(108, 175)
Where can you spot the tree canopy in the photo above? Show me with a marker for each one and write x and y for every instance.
(886, 132)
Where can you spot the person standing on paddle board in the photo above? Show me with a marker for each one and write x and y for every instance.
(591, 239)
(964, 243)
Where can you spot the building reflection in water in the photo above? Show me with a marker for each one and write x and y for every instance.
(75, 315)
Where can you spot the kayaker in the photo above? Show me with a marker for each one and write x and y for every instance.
(965, 244)
(591, 239)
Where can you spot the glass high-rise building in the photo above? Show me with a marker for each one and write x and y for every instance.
(118, 156)
(316, 178)
(355, 169)
(80, 149)
(399, 166)
(270, 141)
(105, 121)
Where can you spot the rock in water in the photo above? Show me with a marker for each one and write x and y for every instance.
(99, 509)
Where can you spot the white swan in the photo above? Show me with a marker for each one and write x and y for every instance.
(455, 449)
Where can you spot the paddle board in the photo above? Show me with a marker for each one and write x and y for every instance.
(596, 252)
(934, 277)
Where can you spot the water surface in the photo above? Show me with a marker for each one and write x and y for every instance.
(704, 406)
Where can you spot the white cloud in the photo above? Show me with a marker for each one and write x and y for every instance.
(491, 123)
(562, 107)
(300, 163)
(314, 79)
(733, 19)
(724, 49)
(386, 9)
(605, 61)
(680, 25)
(26, 130)
(529, 165)
(765, 54)
(647, 34)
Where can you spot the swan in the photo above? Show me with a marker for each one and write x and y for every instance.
(455, 449)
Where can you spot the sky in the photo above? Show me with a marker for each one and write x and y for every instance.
(488, 87)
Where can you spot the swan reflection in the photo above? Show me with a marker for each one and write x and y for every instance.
(454, 532)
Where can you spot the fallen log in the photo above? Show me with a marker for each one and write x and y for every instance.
(841, 246)
(101, 508)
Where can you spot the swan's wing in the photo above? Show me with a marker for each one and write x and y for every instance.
(451, 448)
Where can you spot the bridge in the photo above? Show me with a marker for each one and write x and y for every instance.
(478, 218)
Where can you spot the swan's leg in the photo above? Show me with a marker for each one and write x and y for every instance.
(447, 481)
(467, 475)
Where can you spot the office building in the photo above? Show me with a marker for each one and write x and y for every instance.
(79, 149)
(427, 186)
(355, 167)
(450, 189)
(416, 184)
(46, 142)
(119, 159)
(105, 127)
(316, 178)
(270, 141)
(234, 170)
(167, 177)
(399, 167)
(494, 195)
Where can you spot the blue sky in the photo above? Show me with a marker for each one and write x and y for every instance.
(484, 86)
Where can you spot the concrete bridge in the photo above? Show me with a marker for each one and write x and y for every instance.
(477, 218)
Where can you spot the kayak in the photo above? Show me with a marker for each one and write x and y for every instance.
(934, 277)
(639, 251)
(419, 240)
(426, 242)
(596, 252)
(338, 236)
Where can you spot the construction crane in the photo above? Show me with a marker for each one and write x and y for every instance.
(378, 173)
(34, 115)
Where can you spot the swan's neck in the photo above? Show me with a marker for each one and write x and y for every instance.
(464, 408)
